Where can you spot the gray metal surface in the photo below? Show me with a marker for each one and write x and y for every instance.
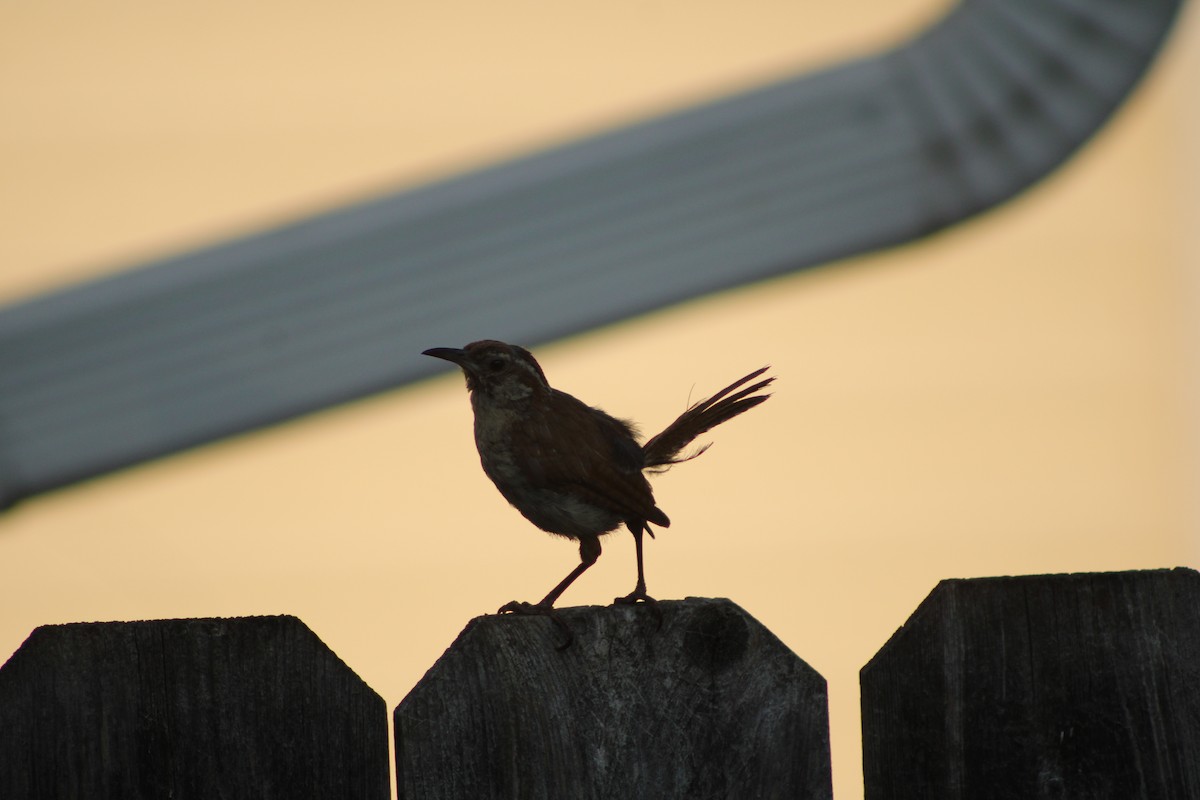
(867, 154)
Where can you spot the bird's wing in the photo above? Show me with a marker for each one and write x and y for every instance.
(591, 454)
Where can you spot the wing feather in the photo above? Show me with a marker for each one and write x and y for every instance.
(591, 454)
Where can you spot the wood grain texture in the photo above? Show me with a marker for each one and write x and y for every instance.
(1049, 686)
(253, 707)
(710, 705)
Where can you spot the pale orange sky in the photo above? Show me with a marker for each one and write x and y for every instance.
(1013, 396)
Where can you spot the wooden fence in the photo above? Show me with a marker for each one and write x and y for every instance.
(1056, 686)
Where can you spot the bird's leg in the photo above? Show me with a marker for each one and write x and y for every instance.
(638, 595)
(589, 552)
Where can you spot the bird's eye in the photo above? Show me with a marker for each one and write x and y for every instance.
(496, 364)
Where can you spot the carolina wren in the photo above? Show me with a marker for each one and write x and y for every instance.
(571, 469)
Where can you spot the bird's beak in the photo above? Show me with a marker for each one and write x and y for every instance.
(453, 354)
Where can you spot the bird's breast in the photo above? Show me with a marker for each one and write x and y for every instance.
(514, 466)
(497, 438)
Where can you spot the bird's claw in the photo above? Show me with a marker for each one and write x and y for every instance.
(521, 607)
(638, 597)
(537, 609)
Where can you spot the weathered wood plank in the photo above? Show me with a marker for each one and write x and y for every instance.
(1048, 686)
(254, 707)
(710, 705)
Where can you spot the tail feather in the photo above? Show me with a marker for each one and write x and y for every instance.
(662, 451)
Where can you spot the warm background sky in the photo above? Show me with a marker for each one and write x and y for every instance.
(1015, 395)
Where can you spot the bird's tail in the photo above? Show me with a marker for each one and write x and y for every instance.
(662, 451)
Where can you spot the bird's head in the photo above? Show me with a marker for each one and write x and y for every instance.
(502, 373)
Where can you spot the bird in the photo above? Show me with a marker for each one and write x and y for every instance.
(571, 469)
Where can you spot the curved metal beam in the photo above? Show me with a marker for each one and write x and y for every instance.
(863, 155)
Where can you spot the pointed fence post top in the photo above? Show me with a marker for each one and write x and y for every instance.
(241, 707)
(707, 704)
(1080, 685)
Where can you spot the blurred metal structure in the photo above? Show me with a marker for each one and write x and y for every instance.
(866, 154)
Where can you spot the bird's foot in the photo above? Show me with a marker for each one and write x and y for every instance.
(635, 597)
(538, 609)
(521, 607)
(638, 597)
